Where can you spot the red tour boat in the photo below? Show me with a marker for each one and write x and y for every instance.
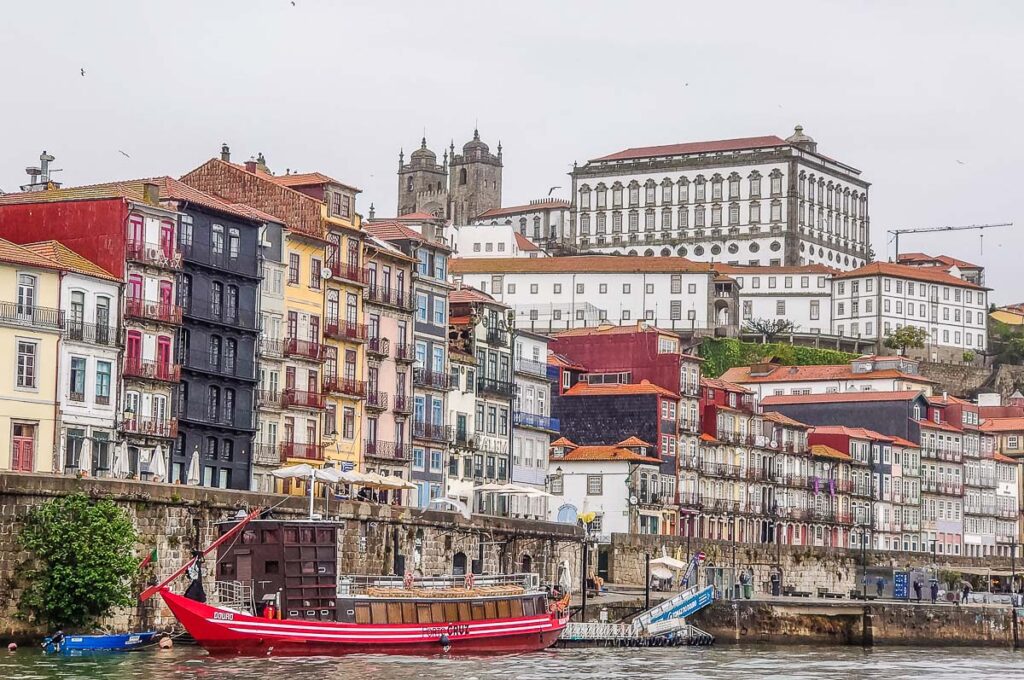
(286, 598)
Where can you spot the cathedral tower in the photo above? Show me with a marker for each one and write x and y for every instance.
(474, 180)
(422, 183)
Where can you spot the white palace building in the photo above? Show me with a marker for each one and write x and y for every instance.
(749, 201)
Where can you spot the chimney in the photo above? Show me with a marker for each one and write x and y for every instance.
(372, 211)
(151, 193)
(225, 153)
(250, 165)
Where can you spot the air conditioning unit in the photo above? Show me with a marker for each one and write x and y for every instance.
(153, 254)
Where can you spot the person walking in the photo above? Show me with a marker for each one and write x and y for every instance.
(935, 590)
(917, 589)
(879, 586)
(965, 593)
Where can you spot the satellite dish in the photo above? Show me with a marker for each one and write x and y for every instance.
(325, 272)
(633, 500)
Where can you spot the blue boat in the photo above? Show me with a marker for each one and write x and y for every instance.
(76, 644)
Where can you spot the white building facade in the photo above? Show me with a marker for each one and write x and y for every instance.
(492, 240)
(532, 425)
(543, 221)
(757, 200)
(801, 294)
(864, 374)
(873, 301)
(462, 417)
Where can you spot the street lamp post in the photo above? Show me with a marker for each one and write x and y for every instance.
(1013, 595)
(864, 560)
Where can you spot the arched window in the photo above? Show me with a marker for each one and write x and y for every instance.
(462, 176)
(634, 194)
(217, 239)
(213, 402)
(716, 187)
(666, 218)
(216, 346)
(649, 219)
(408, 183)
(602, 197)
(650, 192)
(666, 191)
(585, 224)
(734, 186)
(522, 226)
(585, 197)
(601, 223)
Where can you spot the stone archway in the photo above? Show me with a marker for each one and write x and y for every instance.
(526, 564)
(459, 564)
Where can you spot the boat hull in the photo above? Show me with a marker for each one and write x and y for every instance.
(123, 642)
(228, 632)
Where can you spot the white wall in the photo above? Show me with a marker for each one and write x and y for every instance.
(806, 298)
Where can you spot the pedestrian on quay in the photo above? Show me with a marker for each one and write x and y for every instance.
(965, 593)
(935, 590)
(880, 586)
(918, 586)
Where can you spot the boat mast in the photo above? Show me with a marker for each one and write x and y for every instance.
(153, 590)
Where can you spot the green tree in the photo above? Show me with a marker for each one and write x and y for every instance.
(769, 328)
(82, 561)
(906, 337)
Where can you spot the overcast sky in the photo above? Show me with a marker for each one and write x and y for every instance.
(925, 98)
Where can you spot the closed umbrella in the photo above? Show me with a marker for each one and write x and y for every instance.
(194, 475)
(120, 468)
(84, 459)
(157, 466)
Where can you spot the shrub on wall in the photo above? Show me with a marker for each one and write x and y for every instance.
(721, 354)
(81, 563)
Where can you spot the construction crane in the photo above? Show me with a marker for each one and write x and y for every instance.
(922, 230)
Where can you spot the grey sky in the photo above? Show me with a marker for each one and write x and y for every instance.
(901, 90)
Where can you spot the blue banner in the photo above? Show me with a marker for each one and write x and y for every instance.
(901, 585)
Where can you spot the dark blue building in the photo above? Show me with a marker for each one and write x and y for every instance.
(218, 289)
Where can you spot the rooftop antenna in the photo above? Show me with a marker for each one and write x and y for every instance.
(40, 177)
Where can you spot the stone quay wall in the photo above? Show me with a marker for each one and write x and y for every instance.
(804, 568)
(177, 519)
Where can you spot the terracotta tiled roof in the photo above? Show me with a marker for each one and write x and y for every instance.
(12, 253)
(69, 260)
(905, 271)
(741, 374)
(705, 437)
(565, 362)
(905, 443)
(255, 214)
(562, 441)
(736, 270)
(944, 426)
(305, 179)
(855, 432)
(824, 451)
(617, 264)
(776, 417)
(633, 442)
(413, 216)
(83, 193)
(459, 320)
(609, 453)
(393, 231)
(583, 389)
(944, 260)
(722, 384)
(609, 329)
(470, 294)
(1000, 458)
(520, 209)
(1003, 425)
(232, 183)
(838, 397)
(524, 243)
(738, 144)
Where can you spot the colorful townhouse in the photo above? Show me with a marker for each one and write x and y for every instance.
(126, 231)
(31, 324)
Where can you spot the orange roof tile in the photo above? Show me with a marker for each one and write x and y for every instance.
(622, 264)
(565, 362)
(609, 453)
(738, 144)
(905, 443)
(524, 243)
(562, 441)
(395, 230)
(610, 329)
(305, 179)
(825, 451)
(947, 427)
(944, 260)
(906, 271)
(633, 442)
(470, 294)
(741, 374)
(781, 419)
(1000, 458)
(855, 432)
(1003, 424)
(413, 216)
(866, 395)
(720, 384)
(69, 260)
(584, 389)
(705, 437)
(518, 209)
(15, 254)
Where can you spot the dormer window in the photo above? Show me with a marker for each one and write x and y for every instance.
(937, 417)
(917, 412)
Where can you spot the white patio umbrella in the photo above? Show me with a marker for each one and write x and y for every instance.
(462, 508)
(311, 475)
(157, 466)
(120, 469)
(669, 563)
(84, 458)
(194, 475)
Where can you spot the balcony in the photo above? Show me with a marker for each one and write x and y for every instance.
(497, 337)
(405, 353)
(272, 348)
(150, 310)
(691, 500)
(151, 370)
(931, 485)
(304, 451)
(214, 413)
(431, 432)
(269, 399)
(382, 450)
(303, 399)
(221, 259)
(377, 401)
(303, 349)
(464, 439)
(403, 404)
(266, 454)
(537, 369)
(392, 297)
(721, 470)
(348, 271)
(421, 377)
(160, 255)
(941, 453)
(378, 347)
(347, 331)
(150, 427)
(983, 481)
(216, 312)
(756, 475)
(90, 333)
(795, 481)
(347, 386)
(537, 422)
(218, 364)
(502, 389)
(825, 485)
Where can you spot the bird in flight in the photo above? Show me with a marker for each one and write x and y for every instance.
(123, 153)
(960, 162)
(83, 71)
(552, 190)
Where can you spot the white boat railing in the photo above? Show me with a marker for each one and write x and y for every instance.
(360, 584)
(234, 595)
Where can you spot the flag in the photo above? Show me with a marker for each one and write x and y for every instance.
(148, 559)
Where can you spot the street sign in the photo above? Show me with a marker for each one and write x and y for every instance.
(900, 585)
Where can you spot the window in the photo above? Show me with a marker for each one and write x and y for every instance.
(649, 288)
(314, 273)
(625, 289)
(233, 243)
(217, 239)
(440, 317)
(595, 486)
(293, 269)
(436, 458)
(26, 367)
(814, 309)
(77, 383)
(348, 422)
(780, 307)
(579, 288)
(421, 307)
(232, 307)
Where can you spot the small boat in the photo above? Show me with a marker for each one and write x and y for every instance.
(119, 642)
(287, 598)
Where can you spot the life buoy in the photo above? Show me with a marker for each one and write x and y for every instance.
(470, 580)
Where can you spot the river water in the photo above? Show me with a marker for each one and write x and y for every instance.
(721, 661)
